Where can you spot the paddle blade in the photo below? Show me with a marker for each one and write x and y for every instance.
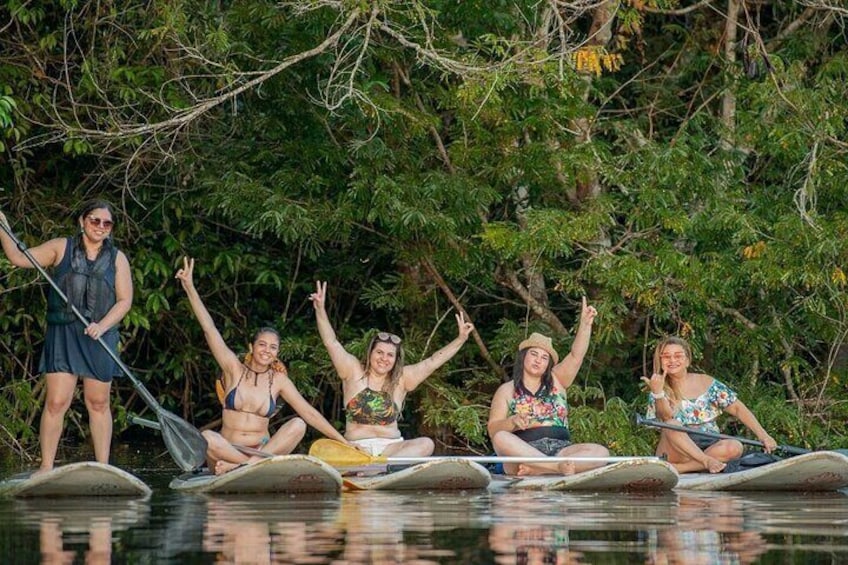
(185, 443)
(338, 454)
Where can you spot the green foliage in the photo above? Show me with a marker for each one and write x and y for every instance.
(629, 188)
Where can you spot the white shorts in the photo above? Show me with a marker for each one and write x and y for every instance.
(375, 445)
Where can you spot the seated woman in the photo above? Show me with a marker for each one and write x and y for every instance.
(529, 414)
(251, 391)
(694, 400)
(374, 391)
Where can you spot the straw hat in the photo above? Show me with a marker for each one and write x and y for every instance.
(542, 342)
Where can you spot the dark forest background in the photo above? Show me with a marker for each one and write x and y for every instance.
(682, 164)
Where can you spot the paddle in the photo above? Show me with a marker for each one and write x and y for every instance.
(184, 442)
(642, 421)
(156, 426)
(339, 454)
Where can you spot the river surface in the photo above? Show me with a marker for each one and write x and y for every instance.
(505, 527)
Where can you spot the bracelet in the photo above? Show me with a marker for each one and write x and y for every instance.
(658, 396)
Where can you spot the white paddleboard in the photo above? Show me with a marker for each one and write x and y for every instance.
(644, 475)
(818, 471)
(439, 474)
(280, 474)
(83, 479)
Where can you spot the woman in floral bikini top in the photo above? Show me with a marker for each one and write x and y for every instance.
(374, 391)
(694, 400)
(529, 414)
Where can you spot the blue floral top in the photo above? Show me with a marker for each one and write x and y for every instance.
(701, 412)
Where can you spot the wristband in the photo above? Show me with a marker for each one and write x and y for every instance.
(658, 396)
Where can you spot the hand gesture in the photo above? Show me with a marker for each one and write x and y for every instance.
(186, 274)
(656, 382)
(92, 330)
(465, 328)
(769, 444)
(319, 297)
(520, 421)
(587, 313)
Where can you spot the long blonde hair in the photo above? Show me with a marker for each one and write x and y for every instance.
(671, 391)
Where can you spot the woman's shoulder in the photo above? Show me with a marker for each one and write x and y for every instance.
(506, 388)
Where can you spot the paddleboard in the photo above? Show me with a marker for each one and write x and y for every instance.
(83, 479)
(817, 471)
(643, 475)
(280, 474)
(437, 475)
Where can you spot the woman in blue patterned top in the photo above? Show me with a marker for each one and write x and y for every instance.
(694, 400)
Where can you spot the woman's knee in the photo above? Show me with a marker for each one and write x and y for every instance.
(726, 450)
(295, 427)
(56, 404)
(501, 440)
(97, 403)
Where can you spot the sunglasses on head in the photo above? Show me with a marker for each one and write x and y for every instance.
(388, 338)
(98, 222)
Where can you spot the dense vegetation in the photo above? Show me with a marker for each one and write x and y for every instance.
(683, 164)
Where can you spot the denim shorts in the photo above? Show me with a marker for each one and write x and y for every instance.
(549, 446)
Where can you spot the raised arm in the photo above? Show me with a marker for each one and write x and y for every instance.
(741, 412)
(566, 370)
(48, 254)
(306, 411)
(414, 375)
(227, 360)
(346, 365)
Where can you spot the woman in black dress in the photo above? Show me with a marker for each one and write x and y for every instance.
(95, 276)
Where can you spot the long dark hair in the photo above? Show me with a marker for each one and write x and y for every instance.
(518, 375)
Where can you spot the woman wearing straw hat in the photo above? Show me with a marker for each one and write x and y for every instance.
(529, 414)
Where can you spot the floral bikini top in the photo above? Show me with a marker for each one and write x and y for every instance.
(701, 412)
(546, 409)
(372, 407)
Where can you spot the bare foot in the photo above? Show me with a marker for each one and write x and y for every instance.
(713, 465)
(222, 467)
(567, 468)
(526, 470)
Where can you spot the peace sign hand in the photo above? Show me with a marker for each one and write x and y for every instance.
(319, 297)
(587, 313)
(186, 274)
(465, 328)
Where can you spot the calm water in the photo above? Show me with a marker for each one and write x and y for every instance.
(372, 527)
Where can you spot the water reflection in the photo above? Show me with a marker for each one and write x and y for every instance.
(74, 530)
(674, 528)
(709, 530)
(520, 527)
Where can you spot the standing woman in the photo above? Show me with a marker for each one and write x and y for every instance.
(374, 391)
(529, 414)
(694, 400)
(251, 391)
(95, 276)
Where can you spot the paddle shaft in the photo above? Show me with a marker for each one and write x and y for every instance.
(196, 455)
(642, 421)
(157, 426)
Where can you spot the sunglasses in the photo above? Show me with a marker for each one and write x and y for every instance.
(675, 356)
(98, 222)
(388, 338)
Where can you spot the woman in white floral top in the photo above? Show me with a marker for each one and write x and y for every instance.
(694, 400)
